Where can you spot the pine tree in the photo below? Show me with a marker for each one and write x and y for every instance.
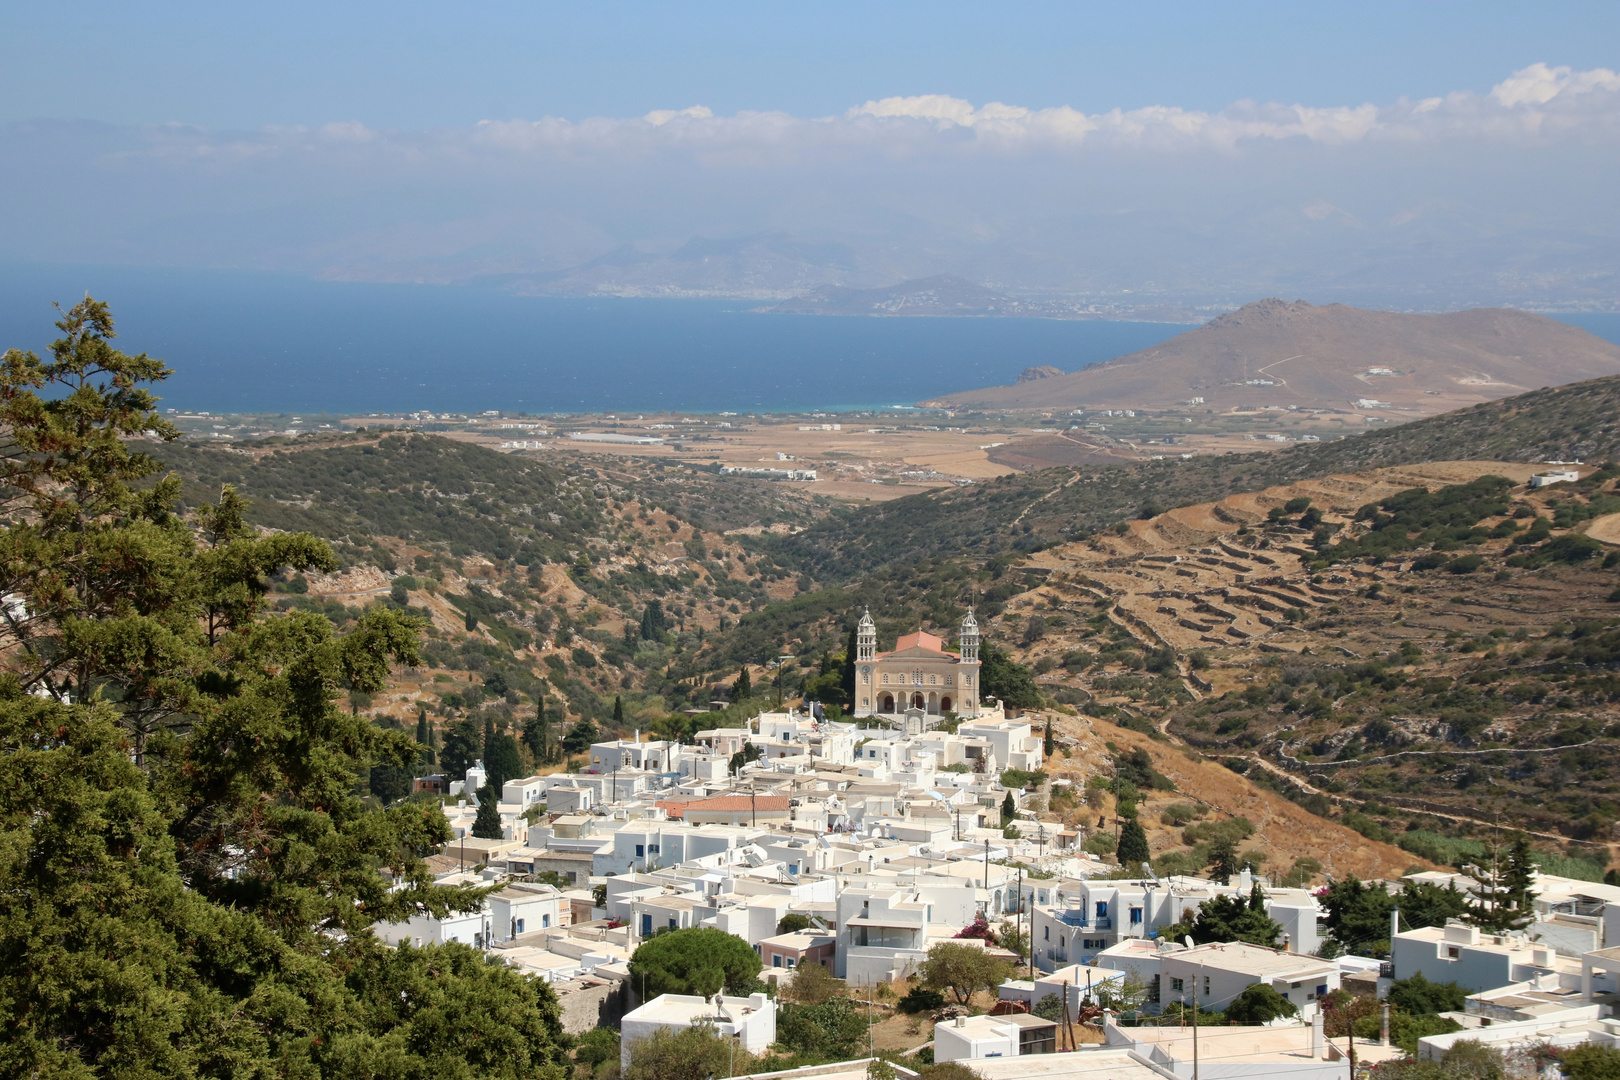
(537, 732)
(1132, 849)
(487, 825)
(188, 784)
(743, 688)
(1050, 746)
(1009, 809)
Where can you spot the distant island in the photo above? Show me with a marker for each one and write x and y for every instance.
(1281, 355)
(948, 295)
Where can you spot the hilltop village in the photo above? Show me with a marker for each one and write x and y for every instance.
(878, 849)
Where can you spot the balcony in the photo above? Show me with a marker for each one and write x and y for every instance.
(1078, 920)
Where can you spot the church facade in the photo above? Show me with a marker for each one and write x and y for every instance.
(918, 676)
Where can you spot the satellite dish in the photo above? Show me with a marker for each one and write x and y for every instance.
(1187, 941)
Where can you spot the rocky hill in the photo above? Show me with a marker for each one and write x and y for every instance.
(1296, 355)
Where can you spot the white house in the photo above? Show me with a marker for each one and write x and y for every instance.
(1475, 961)
(522, 908)
(1217, 973)
(969, 1038)
(882, 934)
(751, 1020)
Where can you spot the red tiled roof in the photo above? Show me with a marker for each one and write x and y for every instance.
(920, 640)
(725, 804)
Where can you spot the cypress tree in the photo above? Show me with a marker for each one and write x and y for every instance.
(743, 688)
(1050, 745)
(487, 825)
(1009, 809)
(424, 735)
(1132, 849)
(618, 711)
(849, 670)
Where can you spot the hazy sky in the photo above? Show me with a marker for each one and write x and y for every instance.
(1194, 149)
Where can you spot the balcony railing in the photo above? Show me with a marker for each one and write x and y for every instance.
(1079, 921)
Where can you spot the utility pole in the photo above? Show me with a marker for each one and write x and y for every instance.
(1195, 1020)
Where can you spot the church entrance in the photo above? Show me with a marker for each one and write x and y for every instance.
(917, 701)
(945, 704)
(886, 703)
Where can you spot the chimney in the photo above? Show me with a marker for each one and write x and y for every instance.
(1394, 924)
(1383, 1023)
(961, 1021)
(1287, 943)
(1316, 1035)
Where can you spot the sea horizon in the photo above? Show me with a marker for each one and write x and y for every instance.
(250, 342)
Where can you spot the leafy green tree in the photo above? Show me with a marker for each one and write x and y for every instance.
(1002, 677)
(1423, 903)
(694, 1053)
(487, 825)
(1223, 860)
(501, 760)
(1358, 914)
(962, 970)
(1132, 850)
(1259, 1004)
(580, 737)
(537, 732)
(700, 960)
(812, 984)
(1591, 1061)
(834, 1030)
(791, 922)
(463, 747)
(1050, 1007)
(1418, 996)
(598, 1045)
(189, 872)
(1230, 918)
(390, 782)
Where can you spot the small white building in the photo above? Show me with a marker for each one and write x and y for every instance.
(522, 908)
(1217, 973)
(969, 1038)
(1555, 476)
(1475, 961)
(751, 1020)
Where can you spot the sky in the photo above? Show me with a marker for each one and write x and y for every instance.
(1435, 153)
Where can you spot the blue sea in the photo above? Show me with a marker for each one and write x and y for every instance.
(244, 342)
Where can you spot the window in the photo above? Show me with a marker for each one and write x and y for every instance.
(950, 680)
(1206, 985)
(640, 850)
(776, 961)
(1046, 933)
(653, 848)
(517, 928)
(790, 961)
(1136, 916)
(646, 925)
(1176, 985)
(1321, 991)
(1452, 952)
(672, 926)
(545, 921)
(1102, 909)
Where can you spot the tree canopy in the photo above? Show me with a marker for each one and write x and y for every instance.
(960, 970)
(188, 869)
(700, 960)
(1230, 918)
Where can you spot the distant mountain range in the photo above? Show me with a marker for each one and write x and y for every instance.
(1296, 355)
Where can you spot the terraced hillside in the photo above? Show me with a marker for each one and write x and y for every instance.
(1417, 652)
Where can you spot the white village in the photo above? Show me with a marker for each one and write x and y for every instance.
(908, 853)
